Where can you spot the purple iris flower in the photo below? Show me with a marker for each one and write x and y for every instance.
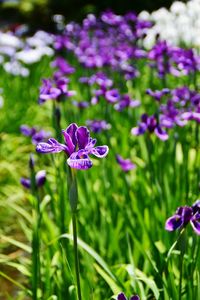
(110, 18)
(64, 68)
(37, 136)
(78, 146)
(80, 104)
(157, 95)
(174, 60)
(150, 123)
(99, 78)
(54, 90)
(125, 164)
(98, 126)
(183, 216)
(121, 296)
(112, 96)
(40, 179)
(191, 116)
(125, 102)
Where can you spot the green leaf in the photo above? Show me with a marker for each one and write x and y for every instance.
(17, 243)
(112, 284)
(92, 253)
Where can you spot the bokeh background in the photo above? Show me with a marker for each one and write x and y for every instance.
(38, 13)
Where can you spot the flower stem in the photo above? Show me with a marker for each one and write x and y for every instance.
(73, 199)
(183, 246)
(77, 270)
(35, 236)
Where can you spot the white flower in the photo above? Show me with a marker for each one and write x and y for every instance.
(7, 39)
(15, 68)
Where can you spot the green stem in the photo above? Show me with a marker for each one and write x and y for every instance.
(73, 199)
(183, 246)
(74, 224)
(36, 235)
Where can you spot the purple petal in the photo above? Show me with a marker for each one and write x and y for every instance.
(79, 160)
(187, 213)
(135, 297)
(112, 96)
(27, 131)
(68, 141)
(52, 146)
(125, 164)
(195, 222)
(82, 135)
(196, 206)
(139, 130)
(25, 182)
(121, 296)
(161, 134)
(135, 103)
(71, 130)
(91, 144)
(100, 151)
(40, 178)
(174, 222)
(40, 136)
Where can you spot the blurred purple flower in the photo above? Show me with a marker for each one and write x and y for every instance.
(125, 164)
(54, 90)
(80, 104)
(36, 135)
(112, 96)
(40, 179)
(110, 18)
(150, 123)
(97, 126)
(78, 146)
(126, 101)
(121, 296)
(174, 60)
(64, 68)
(157, 95)
(183, 216)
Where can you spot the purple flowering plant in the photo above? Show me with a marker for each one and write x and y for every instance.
(55, 89)
(183, 216)
(78, 146)
(40, 178)
(150, 124)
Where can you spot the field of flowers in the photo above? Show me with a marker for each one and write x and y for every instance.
(99, 164)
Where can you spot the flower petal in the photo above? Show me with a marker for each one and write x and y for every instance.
(196, 206)
(27, 131)
(139, 130)
(100, 151)
(25, 182)
(91, 144)
(68, 141)
(135, 297)
(79, 161)
(195, 222)
(125, 164)
(71, 130)
(82, 135)
(40, 178)
(121, 296)
(52, 146)
(174, 222)
(161, 134)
